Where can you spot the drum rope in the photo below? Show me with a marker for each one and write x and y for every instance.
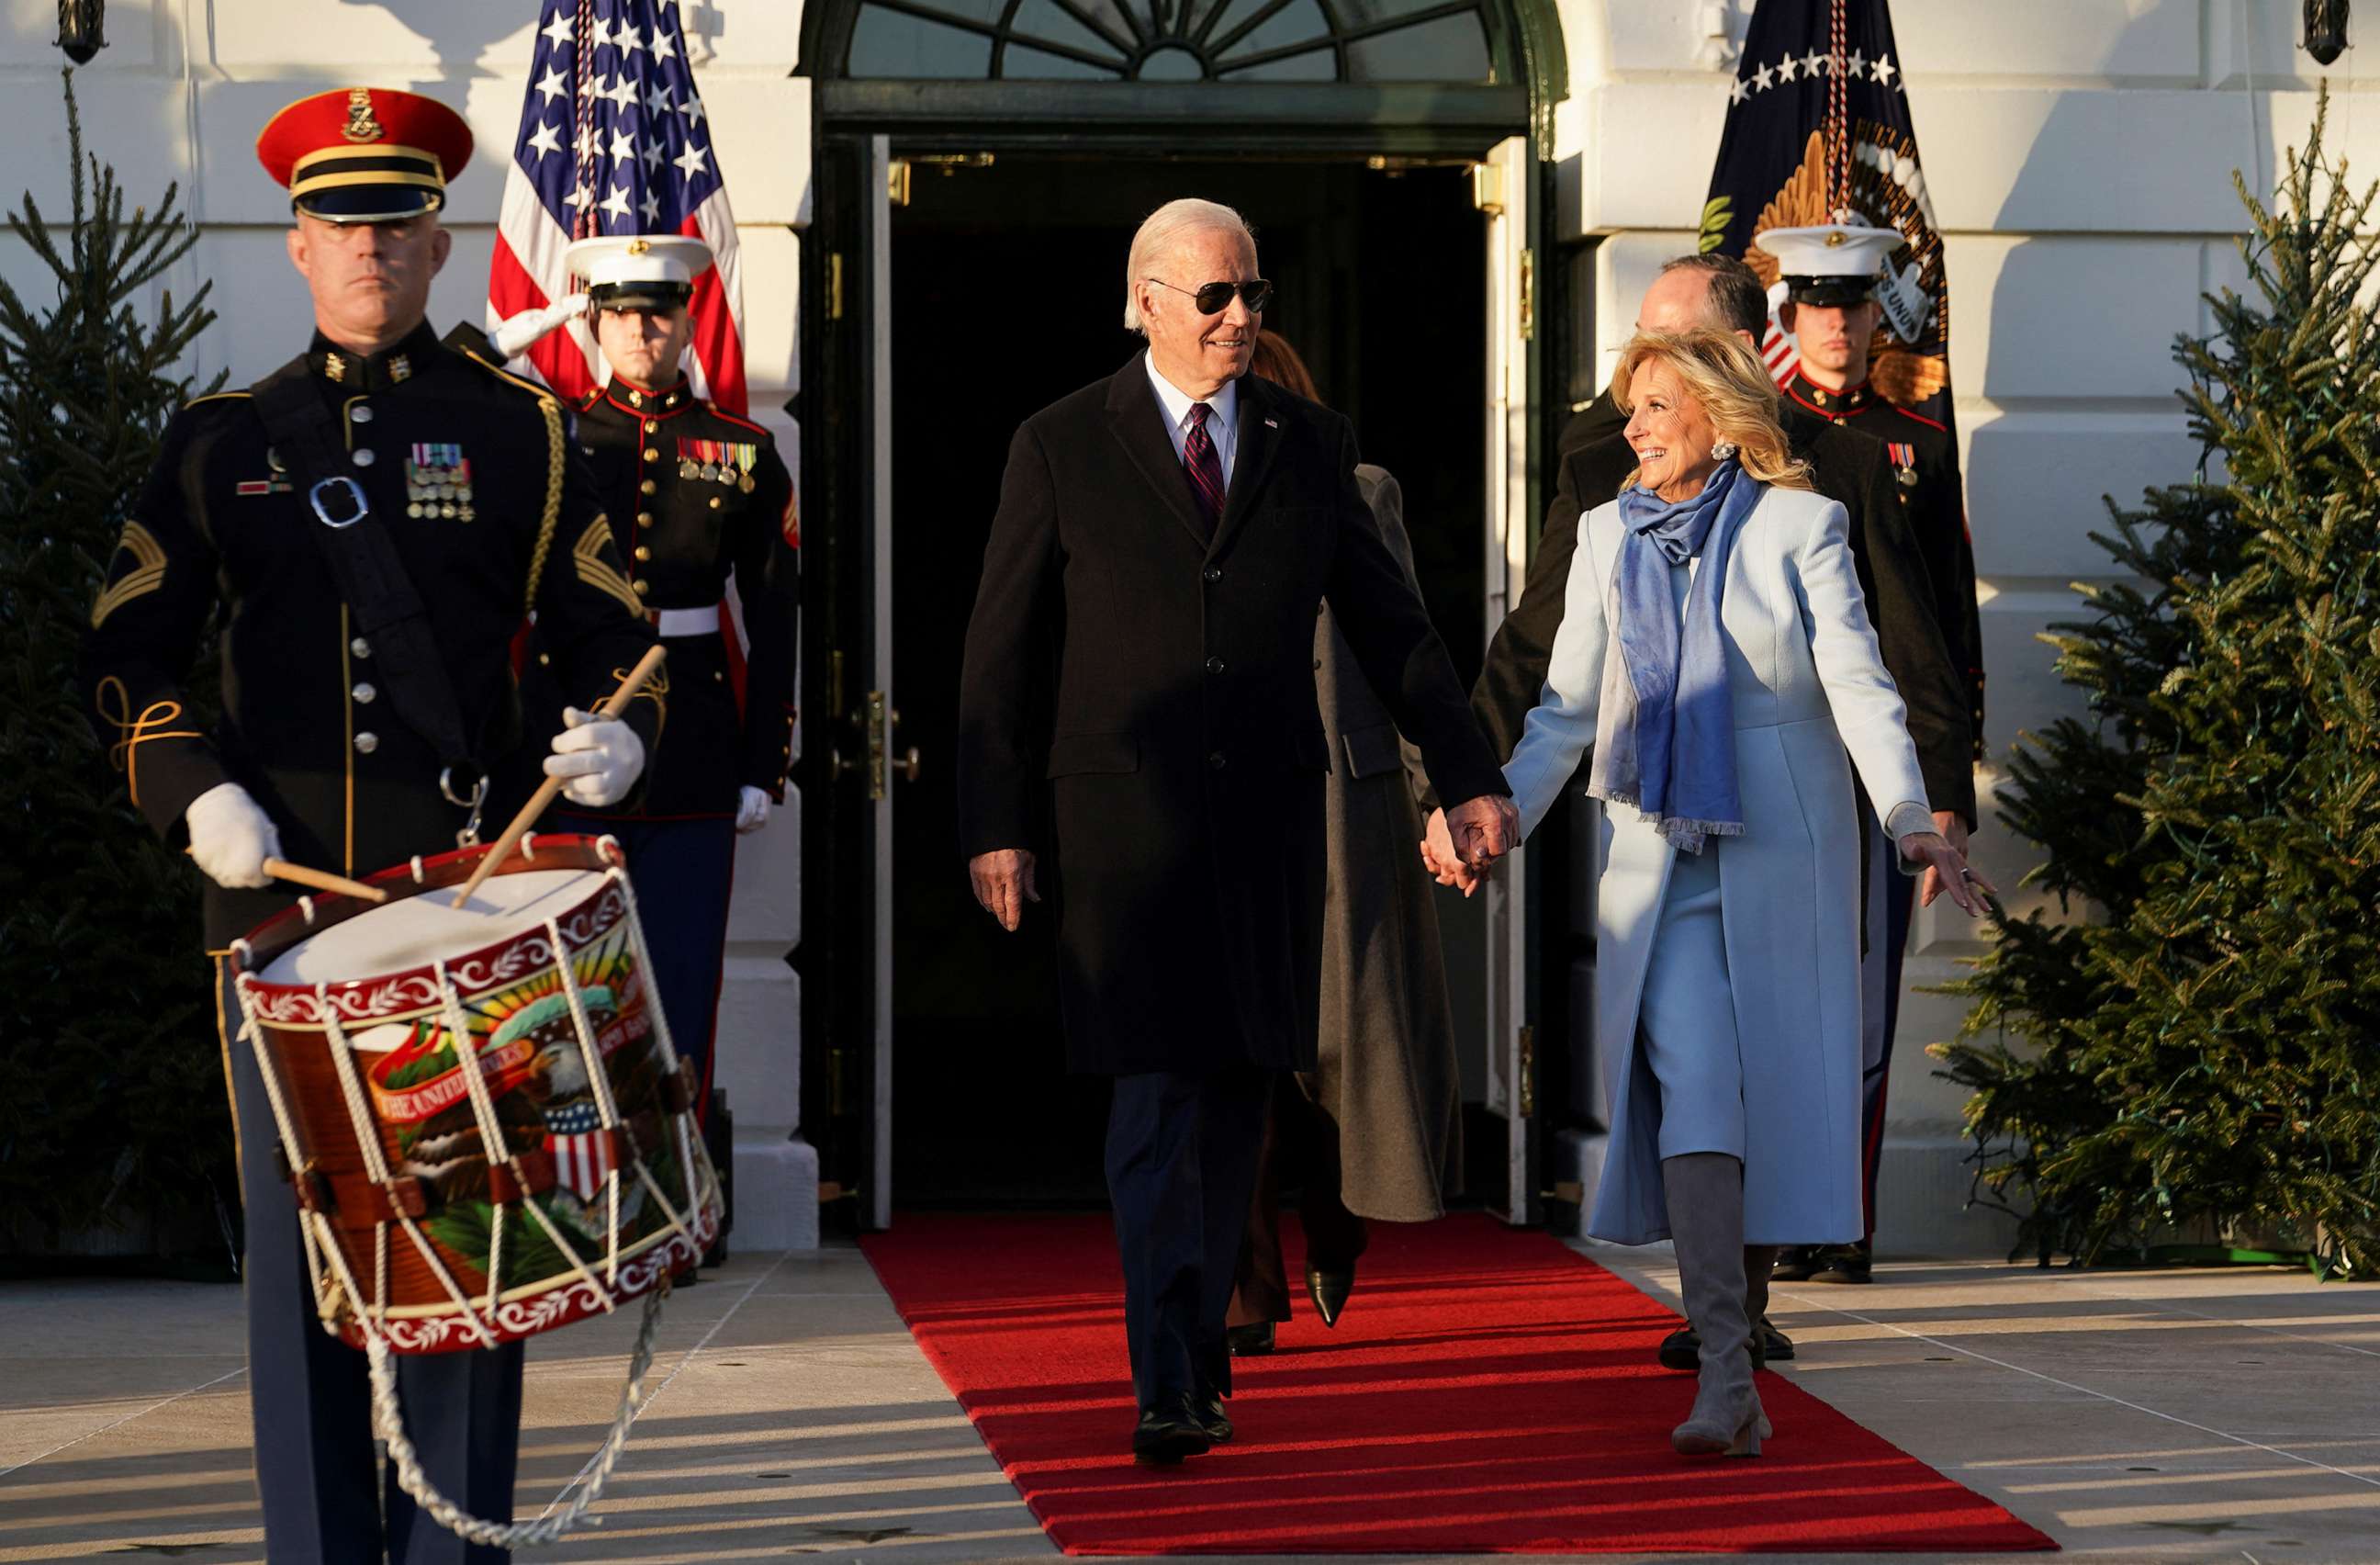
(599, 1080)
(512, 1534)
(688, 1148)
(491, 1134)
(376, 1165)
(292, 1149)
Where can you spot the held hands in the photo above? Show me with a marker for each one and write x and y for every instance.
(751, 811)
(1944, 853)
(1003, 883)
(231, 836)
(596, 757)
(1459, 848)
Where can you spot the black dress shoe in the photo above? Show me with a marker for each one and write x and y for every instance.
(1794, 1264)
(1328, 1289)
(1844, 1263)
(1208, 1407)
(1169, 1431)
(1683, 1350)
(1253, 1340)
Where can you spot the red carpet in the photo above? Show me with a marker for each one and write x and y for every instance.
(1487, 1391)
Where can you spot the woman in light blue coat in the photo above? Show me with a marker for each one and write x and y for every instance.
(1715, 659)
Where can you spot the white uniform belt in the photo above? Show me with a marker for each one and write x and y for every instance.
(687, 621)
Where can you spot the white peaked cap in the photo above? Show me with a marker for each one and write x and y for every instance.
(624, 262)
(1838, 259)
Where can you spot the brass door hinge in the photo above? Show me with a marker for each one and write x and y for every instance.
(1488, 188)
(834, 284)
(896, 181)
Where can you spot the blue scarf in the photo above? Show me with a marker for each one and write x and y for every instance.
(1668, 744)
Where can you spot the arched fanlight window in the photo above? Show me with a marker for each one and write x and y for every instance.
(1233, 40)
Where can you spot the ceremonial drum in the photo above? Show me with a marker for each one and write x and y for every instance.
(489, 1129)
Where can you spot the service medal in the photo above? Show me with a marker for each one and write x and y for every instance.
(746, 483)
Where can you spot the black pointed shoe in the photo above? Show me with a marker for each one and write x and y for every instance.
(1683, 1351)
(1208, 1406)
(1844, 1263)
(1794, 1264)
(1328, 1289)
(1169, 1431)
(1253, 1340)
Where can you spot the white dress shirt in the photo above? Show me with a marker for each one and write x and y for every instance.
(1223, 425)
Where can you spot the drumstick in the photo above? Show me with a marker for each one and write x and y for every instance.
(501, 850)
(321, 880)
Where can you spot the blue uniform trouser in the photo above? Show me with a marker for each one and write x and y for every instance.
(684, 871)
(1182, 1167)
(322, 1487)
(1892, 899)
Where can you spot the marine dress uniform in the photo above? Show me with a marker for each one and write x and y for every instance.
(701, 497)
(312, 727)
(1835, 264)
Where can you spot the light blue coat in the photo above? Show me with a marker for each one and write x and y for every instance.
(1807, 686)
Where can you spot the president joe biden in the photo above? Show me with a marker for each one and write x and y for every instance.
(1140, 743)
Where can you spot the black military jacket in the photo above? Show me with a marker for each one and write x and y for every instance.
(699, 494)
(503, 519)
(1926, 461)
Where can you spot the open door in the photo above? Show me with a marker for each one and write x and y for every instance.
(845, 958)
(1504, 187)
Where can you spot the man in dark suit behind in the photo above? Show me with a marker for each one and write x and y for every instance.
(1138, 737)
(1847, 467)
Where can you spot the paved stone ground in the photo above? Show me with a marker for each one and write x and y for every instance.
(2134, 1417)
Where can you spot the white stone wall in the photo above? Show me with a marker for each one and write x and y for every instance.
(2078, 151)
(180, 94)
(2080, 156)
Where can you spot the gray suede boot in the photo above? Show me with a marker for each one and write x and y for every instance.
(1705, 1192)
(1758, 1259)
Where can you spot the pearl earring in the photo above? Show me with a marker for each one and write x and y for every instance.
(1723, 450)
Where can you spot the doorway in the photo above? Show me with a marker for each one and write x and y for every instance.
(1005, 293)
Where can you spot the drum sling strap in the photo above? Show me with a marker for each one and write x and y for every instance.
(386, 610)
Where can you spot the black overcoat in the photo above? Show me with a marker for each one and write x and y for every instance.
(1137, 708)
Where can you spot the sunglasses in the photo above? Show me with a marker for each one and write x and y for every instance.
(1214, 297)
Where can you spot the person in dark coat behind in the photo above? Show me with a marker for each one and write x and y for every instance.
(1374, 1130)
(1163, 539)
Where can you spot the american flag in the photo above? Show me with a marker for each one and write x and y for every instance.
(613, 139)
(581, 1152)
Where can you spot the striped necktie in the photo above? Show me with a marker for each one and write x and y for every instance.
(1205, 468)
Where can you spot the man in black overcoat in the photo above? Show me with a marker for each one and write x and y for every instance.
(1847, 467)
(1138, 737)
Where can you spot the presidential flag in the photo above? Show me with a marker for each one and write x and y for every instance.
(1819, 131)
(613, 140)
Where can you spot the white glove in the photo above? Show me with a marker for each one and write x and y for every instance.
(752, 811)
(231, 836)
(518, 332)
(600, 756)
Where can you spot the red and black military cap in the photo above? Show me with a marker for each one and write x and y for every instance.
(365, 154)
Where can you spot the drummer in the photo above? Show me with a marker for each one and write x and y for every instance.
(372, 521)
(700, 498)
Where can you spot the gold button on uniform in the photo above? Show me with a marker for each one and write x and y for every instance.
(714, 502)
(651, 425)
(644, 518)
(653, 454)
(367, 743)
(643, 553)
(642, 587)
(647, 486)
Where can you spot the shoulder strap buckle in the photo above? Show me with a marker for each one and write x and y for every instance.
(357, 506)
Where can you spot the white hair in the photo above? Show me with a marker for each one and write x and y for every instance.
(1165, 227)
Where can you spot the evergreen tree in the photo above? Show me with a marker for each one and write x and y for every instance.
(2203, 1046)
(114, 1111)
